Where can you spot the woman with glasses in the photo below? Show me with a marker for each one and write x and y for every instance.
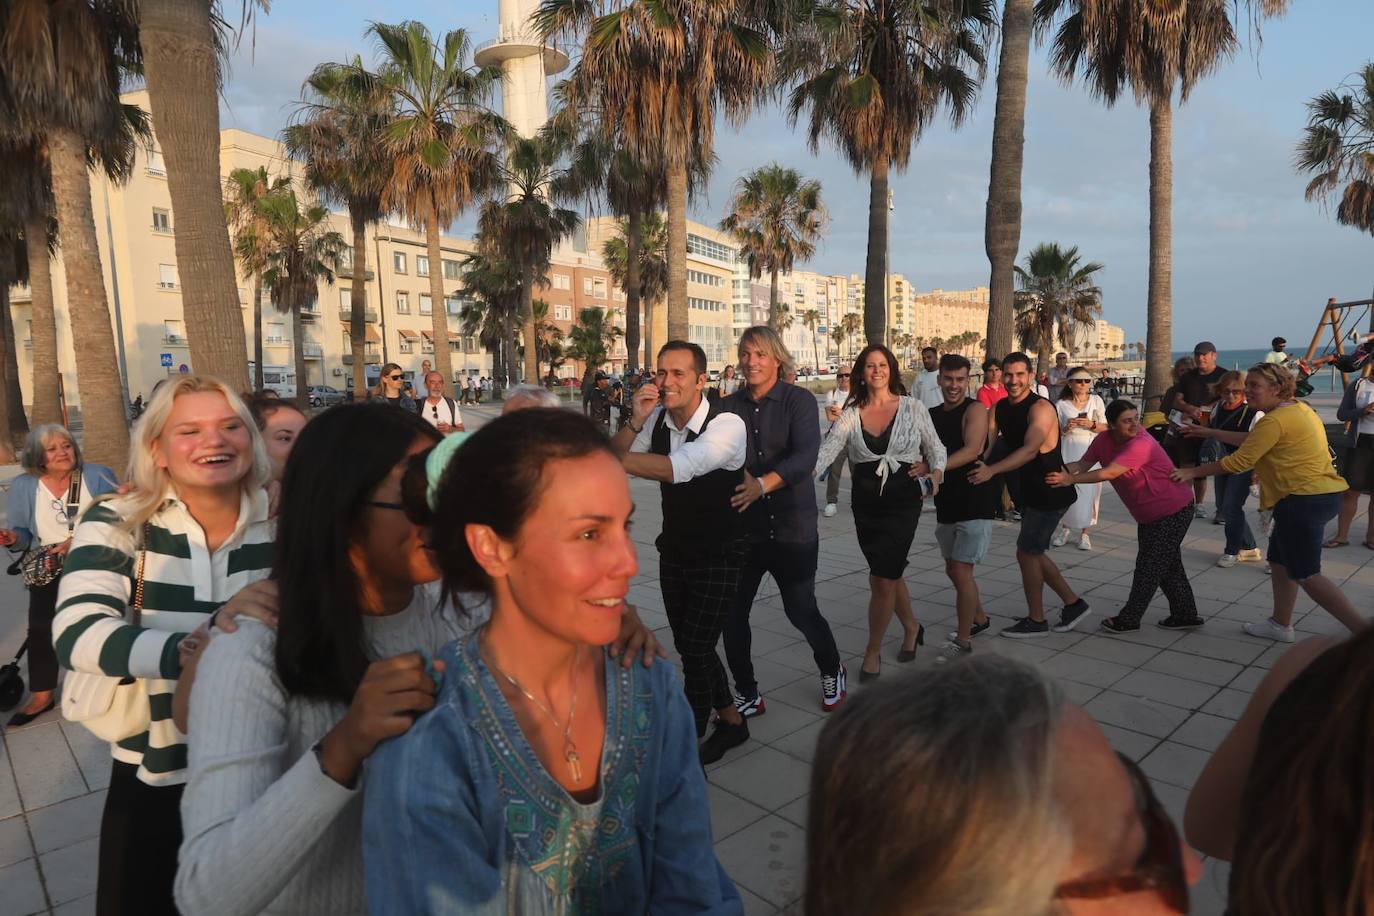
(989, 757)
(1231, 421)
(42, 508)
(1082, 415)
(391, 388)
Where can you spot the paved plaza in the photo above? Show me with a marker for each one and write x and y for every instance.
(1165, 698)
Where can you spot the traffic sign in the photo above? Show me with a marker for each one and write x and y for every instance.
(167, 360)
(184, 369)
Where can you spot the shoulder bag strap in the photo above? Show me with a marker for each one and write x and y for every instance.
(137, 606)
(73, 500)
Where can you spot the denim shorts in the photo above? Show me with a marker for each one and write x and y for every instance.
(1299, 528)
(965, 542)
(1037, 529)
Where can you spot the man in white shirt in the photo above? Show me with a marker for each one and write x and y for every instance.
(696, 451)
(441, 411)
(928, 379)
(834, 403)
(1058, 374)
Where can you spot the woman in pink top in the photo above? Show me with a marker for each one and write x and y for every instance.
(1138, 469)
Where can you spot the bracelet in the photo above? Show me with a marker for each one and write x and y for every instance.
(635, 429)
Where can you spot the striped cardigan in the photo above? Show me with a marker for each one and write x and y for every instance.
(183, 583)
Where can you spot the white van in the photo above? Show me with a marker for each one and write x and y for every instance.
(280, 380)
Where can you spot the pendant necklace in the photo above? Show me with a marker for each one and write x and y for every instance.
(570, 754)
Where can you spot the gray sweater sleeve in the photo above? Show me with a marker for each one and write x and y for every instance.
(1348, 412)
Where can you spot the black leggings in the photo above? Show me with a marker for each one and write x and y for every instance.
(140, 834)
(1159, 567)
(42, 656)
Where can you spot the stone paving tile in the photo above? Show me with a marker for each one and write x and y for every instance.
(1175, 691)
(1174, 763)
(83, 907)
(1183, 665)
(776, 852)
(68, 822)
(1144, 716)
(767, 777)
(1203, 731)
(21, 889)
(44, 768)
(730, 813)
(69, 873)
(15, 844)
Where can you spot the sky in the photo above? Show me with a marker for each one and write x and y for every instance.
(1251, 258)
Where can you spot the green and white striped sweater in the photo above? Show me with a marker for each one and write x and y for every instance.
(183, 583)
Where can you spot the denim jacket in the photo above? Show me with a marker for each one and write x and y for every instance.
(23, 495)
(461, 818)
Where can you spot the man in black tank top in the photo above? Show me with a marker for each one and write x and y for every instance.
(1030, 429)
(696, 451)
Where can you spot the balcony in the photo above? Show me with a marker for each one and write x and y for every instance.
(174, 340)
(20, 294)
(371, 357)
(166, 284)
(347, 273)
(275, 340)
(312, 351)
(347, 315)
(310, 312)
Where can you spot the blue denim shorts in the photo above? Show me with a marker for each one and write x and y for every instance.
(1299, 528)
(965, 542)
(1037, 529)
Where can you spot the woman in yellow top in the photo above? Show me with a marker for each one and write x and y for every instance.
(1287, 448)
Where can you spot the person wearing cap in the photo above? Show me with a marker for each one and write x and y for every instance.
(1276, 354)
(1059, 373)
(1192, 398)
(1082, 415)
(599, 401)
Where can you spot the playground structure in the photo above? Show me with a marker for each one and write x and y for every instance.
(1343, 321)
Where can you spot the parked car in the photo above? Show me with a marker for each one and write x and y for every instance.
(325, 396)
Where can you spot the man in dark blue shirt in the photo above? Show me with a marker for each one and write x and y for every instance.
(778, 499)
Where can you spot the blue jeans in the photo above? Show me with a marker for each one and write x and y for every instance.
(1232, 492)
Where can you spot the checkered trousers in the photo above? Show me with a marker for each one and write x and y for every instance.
(698, 592)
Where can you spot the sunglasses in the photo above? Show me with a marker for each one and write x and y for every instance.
(394, 378)
(1080, 381)
(1160, 868)
(844, 375)
(378, 504)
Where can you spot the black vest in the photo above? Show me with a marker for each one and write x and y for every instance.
(697, 516)
(1013, 421)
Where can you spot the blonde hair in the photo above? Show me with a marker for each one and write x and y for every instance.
(1277, 376)
(770, 342)
(149, 481)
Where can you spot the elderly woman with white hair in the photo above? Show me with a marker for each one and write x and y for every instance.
(524, 396)
(147, 570)
(43, 505)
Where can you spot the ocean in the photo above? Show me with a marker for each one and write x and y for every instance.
(1325, 380)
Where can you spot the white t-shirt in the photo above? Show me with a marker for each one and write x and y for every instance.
(928, 389)
(50, 514)
(444, 411)
(836, 398)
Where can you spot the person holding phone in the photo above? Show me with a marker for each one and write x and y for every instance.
(1082, 415)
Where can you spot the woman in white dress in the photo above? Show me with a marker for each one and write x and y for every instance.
(1082, 415)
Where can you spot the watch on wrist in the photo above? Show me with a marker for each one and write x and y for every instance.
(635, 429)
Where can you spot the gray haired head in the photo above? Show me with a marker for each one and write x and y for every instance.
(34, 457)
(522, 396)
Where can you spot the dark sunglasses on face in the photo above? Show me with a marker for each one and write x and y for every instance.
(394, 378)
(379, 504)
(1160, 868)
(844, 375)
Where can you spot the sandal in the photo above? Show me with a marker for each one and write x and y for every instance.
(1337, 542)
(1111, 625)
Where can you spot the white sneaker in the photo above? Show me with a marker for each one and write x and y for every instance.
(1084, 542)
(1199, 512)
(831, 509)
(952, 650)
(1267, 570)
(1270, 629)
(1059, 538)
(1227, 560)
(1253, 555)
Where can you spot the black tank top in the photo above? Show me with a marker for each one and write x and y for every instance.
(958, 499)
(1012, 422)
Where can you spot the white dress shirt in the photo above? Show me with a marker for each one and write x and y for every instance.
(439, 412)
(724, 444)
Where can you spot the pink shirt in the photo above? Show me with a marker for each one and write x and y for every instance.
(1146, 489)
(989, 395)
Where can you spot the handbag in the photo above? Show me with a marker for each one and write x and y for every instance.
(42, 565)
(110, 708)
(12, 682)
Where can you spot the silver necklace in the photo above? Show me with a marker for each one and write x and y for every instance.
(570, 754)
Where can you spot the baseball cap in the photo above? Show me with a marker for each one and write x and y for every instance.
(1205, 347)
(601, 376)
(1081, 373)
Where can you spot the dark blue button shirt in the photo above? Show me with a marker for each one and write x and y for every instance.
(784, 433)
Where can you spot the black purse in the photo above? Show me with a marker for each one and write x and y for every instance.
(12, 682)
(42, 565)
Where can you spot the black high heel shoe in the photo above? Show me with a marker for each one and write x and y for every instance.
(909, 655)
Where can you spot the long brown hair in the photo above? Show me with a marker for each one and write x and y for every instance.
(1305, 840)
(858, 388)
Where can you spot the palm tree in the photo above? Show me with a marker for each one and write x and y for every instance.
(853, 324)
(1155, 50)
(13, 269)
(338, 133)
(661, 70)
(549, 337)
(441, 141)
(244, 191)
(652, 262)
(777, 217)
(181, 44)
(526, 226)
(491, 287)
(591, 340)
(873, 75)
(303, 251)
(1337, 148)
(838, 334)
(812, 319)
(1057, 296)
(26, 208)
(61, 77)
(1002, 226)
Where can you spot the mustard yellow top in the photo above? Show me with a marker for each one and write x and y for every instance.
(1287, 449)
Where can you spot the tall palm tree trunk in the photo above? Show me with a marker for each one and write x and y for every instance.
(649, 342)
(1002, 229)
(774, 313)
(875, 268)
(1159, 297)
(103, 411)
(11, 396)
(182, 75)
(46, 408)
(357, 323)
(443, 357)
(257, 332)
(511, 358)
(633, 246)
(677, 253)
(527, 323)
(298, 352)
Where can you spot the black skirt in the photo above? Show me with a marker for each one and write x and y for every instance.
(886, 522)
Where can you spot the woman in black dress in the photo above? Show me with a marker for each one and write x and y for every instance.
(895, 455)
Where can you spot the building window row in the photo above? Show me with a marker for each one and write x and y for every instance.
(702, 277)
(707, 248)
(562, 281)
(706, 305)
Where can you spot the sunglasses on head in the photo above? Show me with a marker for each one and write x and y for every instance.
(1160, 868)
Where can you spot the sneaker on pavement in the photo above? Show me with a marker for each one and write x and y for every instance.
(1199, 512)
(1218, 520)
(1084, 542)
(1016, 515)
(1025, 628)
(1060, 537)
(1253, 555)
(952, 650)
(831, 509)
(972, 631)
(1071, 616)
(1227, 560)
(750, 706)
(1180, 623)
(1267, 570)
(722, 738)
(1270, 629)
(833, 690)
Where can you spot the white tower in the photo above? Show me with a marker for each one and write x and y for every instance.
(526, 60)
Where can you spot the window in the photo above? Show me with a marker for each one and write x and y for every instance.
(562, 312)
(402, 302)
(346, 299)
(155, 165)
(587, 285)
(426, 304)
(173, 332)
(702, 277)
(407, 345)
(346, 259)
(347, 343)
(470, 344)
(398, 261)
(452, 270)
(455, 345)
(421, 265)
(705, 305)
(276, 333)
(599, 288)
(562, 281)
(167, 276)
(162, 220)
(709, 249)
(452, 304)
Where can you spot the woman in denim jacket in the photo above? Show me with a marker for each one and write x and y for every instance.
(546, 779)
